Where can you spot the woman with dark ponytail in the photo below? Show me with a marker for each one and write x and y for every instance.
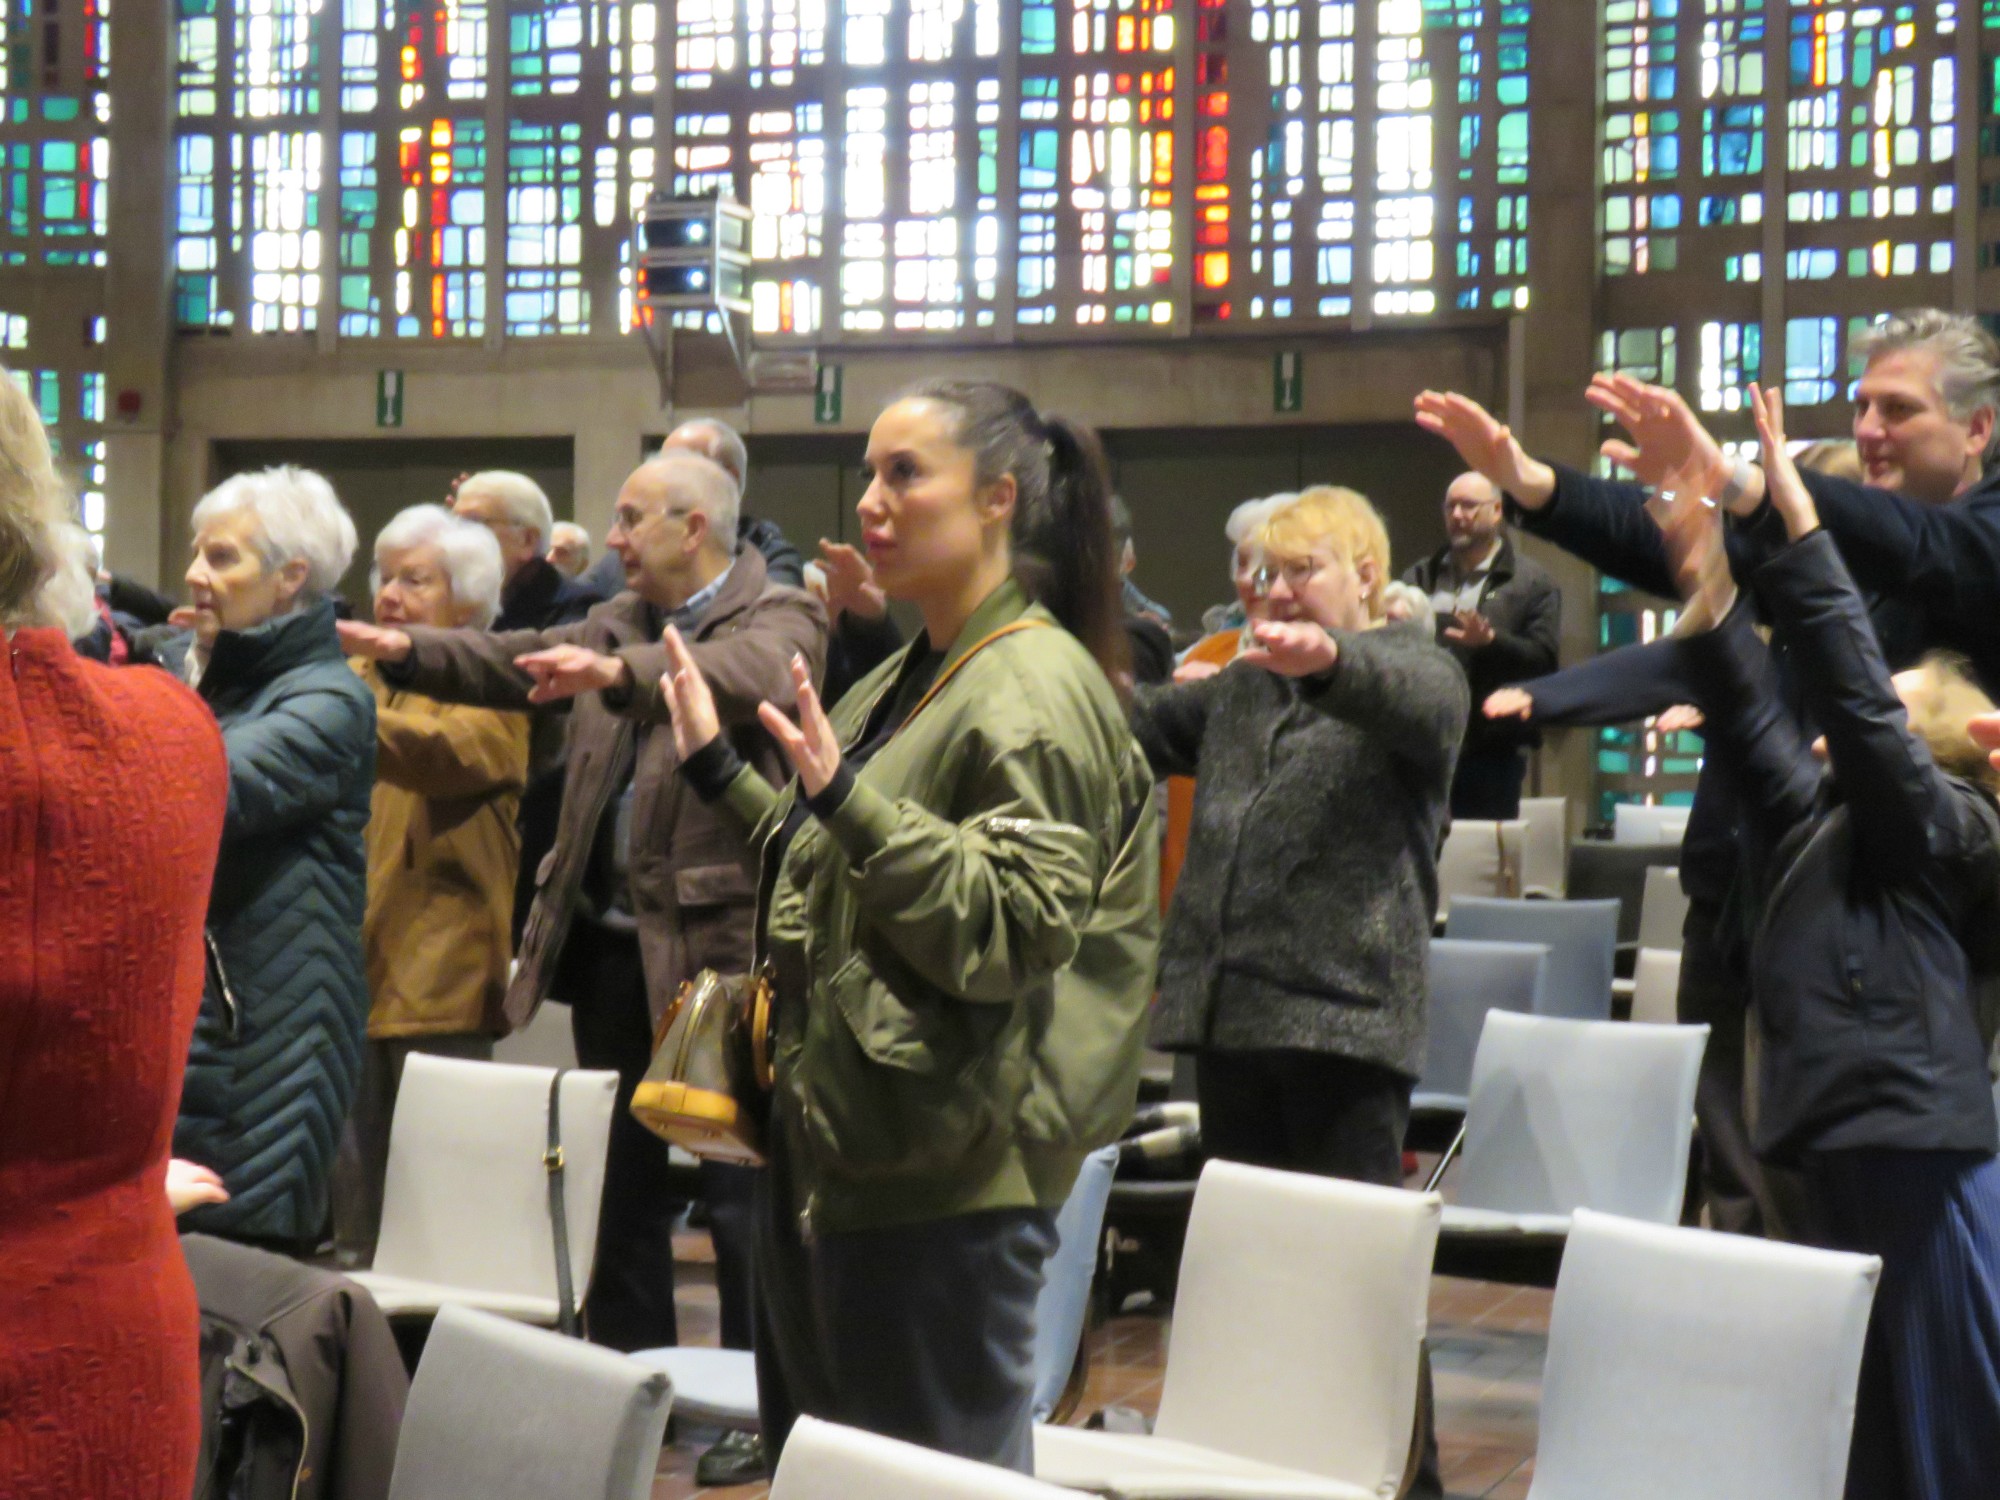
(960, 912)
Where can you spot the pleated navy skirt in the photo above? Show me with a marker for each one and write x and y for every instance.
(1927, 1420)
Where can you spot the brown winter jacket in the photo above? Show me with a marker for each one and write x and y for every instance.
(443, 847)
(693, 878)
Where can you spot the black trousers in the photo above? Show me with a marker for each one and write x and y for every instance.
(1744, 1195)
(1487, 783)
(1331, 1116)
(923, 1332)
(631, 1300)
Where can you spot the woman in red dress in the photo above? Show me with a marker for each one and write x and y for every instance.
(112, 791)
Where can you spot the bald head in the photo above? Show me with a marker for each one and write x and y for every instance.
(674, 527)
(1471, 515)
(714, 440)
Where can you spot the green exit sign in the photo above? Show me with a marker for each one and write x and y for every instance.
(388, 398)
(826, 395)
(1287, 380)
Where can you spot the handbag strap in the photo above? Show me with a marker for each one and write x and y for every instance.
(1010, 628)
(552, 1163)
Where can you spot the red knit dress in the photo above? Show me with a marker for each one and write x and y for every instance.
(113, 785)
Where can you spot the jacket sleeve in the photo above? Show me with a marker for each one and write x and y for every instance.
(295, 762)
(989, 905)
(783, 562)
(461, 752)
(1603, 522)
(1409, 693)
(1903, 809)
(1750, 731)
(1169, 722)
(474, 666)
(1532, 649)
(1613, 687)
(744, 668)
(1947, 555)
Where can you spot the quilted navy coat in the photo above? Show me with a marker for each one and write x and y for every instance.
(277, 1045)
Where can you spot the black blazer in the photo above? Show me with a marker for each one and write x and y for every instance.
(1873, 879)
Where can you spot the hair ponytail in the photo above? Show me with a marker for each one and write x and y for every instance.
(1063, 549)
(1061, 531)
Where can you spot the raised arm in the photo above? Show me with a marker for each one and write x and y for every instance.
(1901, 806)
(744, 667)
(1399, 686)
(1613, 687)
(457, 666)
(1169, 721)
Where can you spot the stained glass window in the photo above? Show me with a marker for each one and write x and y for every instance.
(55, 166)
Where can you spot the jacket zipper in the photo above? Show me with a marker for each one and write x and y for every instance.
(227, 995)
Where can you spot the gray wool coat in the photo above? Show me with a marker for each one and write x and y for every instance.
(1303, 913)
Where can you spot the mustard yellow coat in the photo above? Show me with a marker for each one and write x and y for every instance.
(443, 846)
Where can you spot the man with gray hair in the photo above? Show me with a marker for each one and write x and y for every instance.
(721, 444)
(645, 885)
(536, 595)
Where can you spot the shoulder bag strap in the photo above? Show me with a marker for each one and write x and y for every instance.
(1011, 628)
(552, 1163)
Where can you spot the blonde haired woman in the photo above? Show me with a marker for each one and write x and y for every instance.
(1293, 962)
(112, 790)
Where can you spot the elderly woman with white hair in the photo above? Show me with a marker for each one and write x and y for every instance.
(443, 845)
(112, 788)
(277, 1047)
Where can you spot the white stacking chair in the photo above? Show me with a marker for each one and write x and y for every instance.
(1465, 980)
(1573, 1114)
(1480, 858)
(1299, 1318)
(1656, 987)
(823, 1461)
(1663, 907)
(1687, 1363)
(505, 1412)
(1545, 847)
(1648, 823)
(465, 1207)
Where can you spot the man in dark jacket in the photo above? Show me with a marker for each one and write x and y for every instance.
(1500, 614)
(645, 886)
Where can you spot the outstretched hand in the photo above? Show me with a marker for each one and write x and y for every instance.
(565, 671)
(1787, 492)
(1487, 446)
(1291, 648)
(189, 1185)
(810, 745)
(1508, 703)
(1985, 732)
(1667, 439)
(696, 723)
(373, 642)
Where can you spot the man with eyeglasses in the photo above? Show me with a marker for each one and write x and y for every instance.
(1500, 614)
(646, 885)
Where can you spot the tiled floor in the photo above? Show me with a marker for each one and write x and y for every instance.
(1487, 1343)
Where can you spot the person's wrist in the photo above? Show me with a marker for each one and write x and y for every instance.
(1534, 485)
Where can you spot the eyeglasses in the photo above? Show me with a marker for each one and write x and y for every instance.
(629, 518)
(1297, 573)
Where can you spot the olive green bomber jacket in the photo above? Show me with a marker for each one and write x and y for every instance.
(966, 949)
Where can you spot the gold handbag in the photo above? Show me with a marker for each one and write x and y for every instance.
(711, 1068)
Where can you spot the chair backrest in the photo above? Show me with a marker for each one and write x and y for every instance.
(1582, 937)
(545, 1042)
(1663, 907)
(508, 1412)
(1601, 870)
(1545, 850)
(824, 1461)
(1298, 1316)
(1643, 823)
(1466, 980)
(1580, 1114)
(1656, 986)
(1064, 1304)
(466, 1199)
(1683, 1362)
(1481, 858)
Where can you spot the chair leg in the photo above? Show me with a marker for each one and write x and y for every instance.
(1437, 1173)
